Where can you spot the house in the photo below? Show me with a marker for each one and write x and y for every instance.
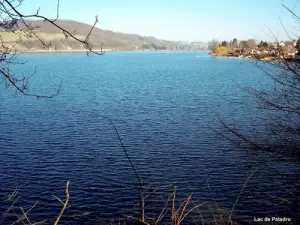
(291, 44)
(281, 44)
(294, 43)
(275, 45)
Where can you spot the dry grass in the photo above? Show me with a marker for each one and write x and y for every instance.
(24, 217)
(175, 211)
(180, 211)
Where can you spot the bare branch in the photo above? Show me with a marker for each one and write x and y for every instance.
(65, 204)
(283, 27)
(14, 20)
(238, 197)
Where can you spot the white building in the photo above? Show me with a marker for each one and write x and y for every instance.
(281, 44)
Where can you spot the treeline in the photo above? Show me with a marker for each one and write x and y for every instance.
(225, 46)
(68, 44)
(153, 46)
(56, 44)
(231, 46)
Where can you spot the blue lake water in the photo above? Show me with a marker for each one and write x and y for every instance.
(164, 105)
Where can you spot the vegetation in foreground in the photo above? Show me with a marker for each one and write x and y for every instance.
(173, 210)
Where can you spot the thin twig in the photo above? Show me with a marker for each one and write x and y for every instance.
(238, 197)
(65, 203)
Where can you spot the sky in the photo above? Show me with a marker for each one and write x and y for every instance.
(184, 20)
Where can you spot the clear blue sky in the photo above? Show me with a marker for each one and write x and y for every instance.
(187, 20)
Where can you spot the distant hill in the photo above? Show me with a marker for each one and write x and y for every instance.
(111, 40)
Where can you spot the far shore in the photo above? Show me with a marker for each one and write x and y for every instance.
(241, 56)
(99, 50)
(64, 51)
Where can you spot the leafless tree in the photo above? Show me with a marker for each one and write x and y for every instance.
(281, 102)
(13, 20)
(213, 45)
(279, 135)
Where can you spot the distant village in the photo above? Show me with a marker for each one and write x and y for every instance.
(289, 50)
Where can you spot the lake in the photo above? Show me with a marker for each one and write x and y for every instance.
(165, 107)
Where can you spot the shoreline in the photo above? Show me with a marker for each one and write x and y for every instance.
(98, 50)
(62, 51)
(250, 57)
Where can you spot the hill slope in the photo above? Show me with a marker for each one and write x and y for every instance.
(110, 40)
